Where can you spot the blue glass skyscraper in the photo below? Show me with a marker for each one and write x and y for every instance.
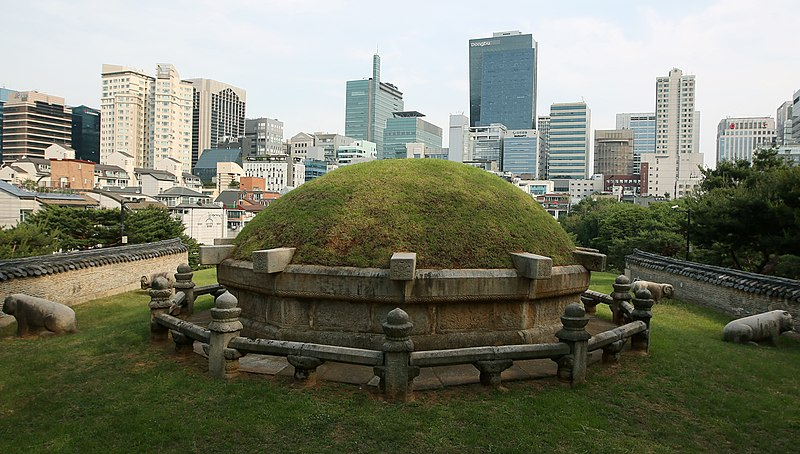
(368, 104)
(502, 80)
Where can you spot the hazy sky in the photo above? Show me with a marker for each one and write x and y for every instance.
(294, 57)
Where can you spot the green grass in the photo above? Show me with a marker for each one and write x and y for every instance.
(359, 215)
(108, 389)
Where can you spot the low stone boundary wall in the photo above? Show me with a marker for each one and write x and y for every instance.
(735, 293)
(76, 277)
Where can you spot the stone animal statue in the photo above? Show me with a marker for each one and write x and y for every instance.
(147, 280)
(756, 328)
(657, 290)
(39, 316)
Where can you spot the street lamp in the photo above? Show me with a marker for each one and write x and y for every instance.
(688, 212)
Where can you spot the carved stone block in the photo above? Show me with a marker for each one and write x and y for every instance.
(402, 266)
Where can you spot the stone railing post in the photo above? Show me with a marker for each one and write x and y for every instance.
(183, 343)
(621, 293)
(572, 367)
(184, 283)
(642, 310)
(160, 302)
(305, 367)
(223, 362)
(396, 374)
(589, 304)
(491, 370)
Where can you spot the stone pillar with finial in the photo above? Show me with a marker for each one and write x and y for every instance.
(184, 283)
(642, 310)
(396, 373)
(160, 302)
(223, 362)
(621, 293)
(572, 367)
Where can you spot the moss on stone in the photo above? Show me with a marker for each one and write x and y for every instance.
(452, 215)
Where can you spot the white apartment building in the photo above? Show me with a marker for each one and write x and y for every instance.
(738, 138)
(677, 121)
(149, 118)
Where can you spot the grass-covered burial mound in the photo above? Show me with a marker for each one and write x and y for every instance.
(452, 215)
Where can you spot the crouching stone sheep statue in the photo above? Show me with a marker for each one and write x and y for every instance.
(760, 327)
(39, 316)
(656, 290)
(147, 281)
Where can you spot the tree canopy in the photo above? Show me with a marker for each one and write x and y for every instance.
(57, 228)
(744, 215)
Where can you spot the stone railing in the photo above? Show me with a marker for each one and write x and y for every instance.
(735, 293)
(75, 277)
(396, 363)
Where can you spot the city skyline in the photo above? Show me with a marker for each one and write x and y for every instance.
(611, 61)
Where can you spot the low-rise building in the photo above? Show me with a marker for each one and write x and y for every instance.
(204, 223)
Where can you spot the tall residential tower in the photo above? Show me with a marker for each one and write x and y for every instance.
(146, 117)
(677, 123)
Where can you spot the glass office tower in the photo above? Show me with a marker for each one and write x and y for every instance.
(502, 80)
(368, 104)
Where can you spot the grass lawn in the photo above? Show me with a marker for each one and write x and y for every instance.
(108, 389)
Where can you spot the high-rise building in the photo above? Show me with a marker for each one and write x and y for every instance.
(149, 118)
(459, 146)
(368, 104)
(783, 123)
(502, 80)
(33, 121)
(4, 94)
(738, 138)
(796, 117)
(521, 153)
(125, 113)
(677, 121)
(568, 154)
(218, 112)
(543, 124)
(408, 127)
(487, 145)
(86, 133)
(263, 137)
(644, 134)
(172, 125)
(613, 151)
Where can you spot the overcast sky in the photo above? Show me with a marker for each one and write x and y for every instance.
(294, 57)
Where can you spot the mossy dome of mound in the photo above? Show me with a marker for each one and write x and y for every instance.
(452, 215)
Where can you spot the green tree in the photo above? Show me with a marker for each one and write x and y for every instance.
(26, 240)
(747, 216)
(61, 228)
(616, 228)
